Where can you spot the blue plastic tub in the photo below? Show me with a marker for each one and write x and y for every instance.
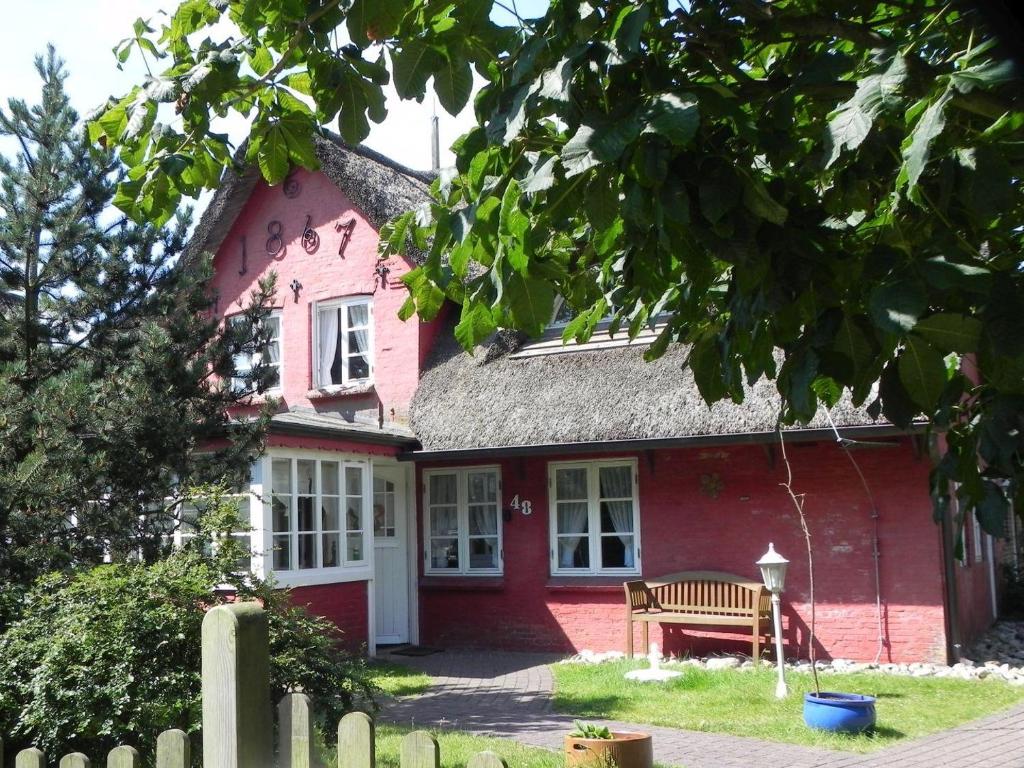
(839, 712)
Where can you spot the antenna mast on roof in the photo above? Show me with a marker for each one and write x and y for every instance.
(435, 142)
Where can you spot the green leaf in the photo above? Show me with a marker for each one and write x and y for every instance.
(720, 190)
(928, 128)
(706, 364)
(676, 117)
(529, 301)
(352, 122)
(576, 154)
(853, 344)
(761, 204)
(412, 66)
(554, 83)
(541, 175)
(922, 372)
(475, 325)
(272, 155)
(373, 20)
(453, 82)
(895, 307)
(992, 510)
(951, 332)
(601, 202)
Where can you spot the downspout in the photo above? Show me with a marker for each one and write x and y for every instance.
(954, 646)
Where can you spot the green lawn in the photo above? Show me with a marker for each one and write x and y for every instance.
(743, 703)
(396, 680)
(456, 750)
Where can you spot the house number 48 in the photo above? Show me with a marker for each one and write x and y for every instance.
(525, 506)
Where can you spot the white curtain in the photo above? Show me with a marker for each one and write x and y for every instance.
(359, 314)
(483, 521)
(572, 518)
(617, 483)
(328, 321)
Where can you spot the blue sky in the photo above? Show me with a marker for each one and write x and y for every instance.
(85, 31)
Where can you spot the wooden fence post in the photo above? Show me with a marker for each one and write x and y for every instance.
(30, 758)
(74, 760)
(295, 729)
(173, 750)
(237, 720)
(486, 760)
(356, 745)
(124, 757)
(420, 750)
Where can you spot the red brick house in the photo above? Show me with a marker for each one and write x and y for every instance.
(415, 493)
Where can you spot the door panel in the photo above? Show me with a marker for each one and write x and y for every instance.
(391, 564)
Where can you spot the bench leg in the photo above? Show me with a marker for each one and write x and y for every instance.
(629, 636)
(647, 638)
(756, 652)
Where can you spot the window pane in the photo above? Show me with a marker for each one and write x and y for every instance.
(281, 512)
(444, 553)
(573, 552)
(617, 552)
(616, 482)
(483, 487)
(273, 323)
(282, 556)
(306, 521)
(358, 367)
(353, 518)
(329, 514)
(444, 521)
(329, 477)
(358, 314)
(443, 489)
(383, 507)
(306, 476)
(244, 563)
(483, 553)
(307, 551)
(355, 547)
(331, 553)
(483, 520)
(616, 517)
(571, 484)
(353, 481)
(572, 517)
(281, 476)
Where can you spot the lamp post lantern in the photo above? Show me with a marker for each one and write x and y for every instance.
(773, 571)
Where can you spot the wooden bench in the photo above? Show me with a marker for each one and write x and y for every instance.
(699, 598)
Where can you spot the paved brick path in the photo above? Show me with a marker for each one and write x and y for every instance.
(509, 695)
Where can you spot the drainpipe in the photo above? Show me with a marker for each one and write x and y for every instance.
(951, 603)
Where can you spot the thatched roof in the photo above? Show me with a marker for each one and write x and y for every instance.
(495, 399)
(381, 188)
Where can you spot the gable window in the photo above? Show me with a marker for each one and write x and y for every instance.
(270, 356)
(344, 342)
(463, 521)
(594, 518)
(318, 514)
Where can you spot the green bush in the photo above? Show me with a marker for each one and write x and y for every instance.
(111, 655)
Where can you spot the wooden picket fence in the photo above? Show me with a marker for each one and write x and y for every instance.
(237, 719)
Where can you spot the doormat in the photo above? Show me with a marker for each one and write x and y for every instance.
(416, 650)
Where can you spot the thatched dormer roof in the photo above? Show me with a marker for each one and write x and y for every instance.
(381, 188)
(497, 399)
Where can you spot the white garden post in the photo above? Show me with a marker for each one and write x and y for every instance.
(773, 571)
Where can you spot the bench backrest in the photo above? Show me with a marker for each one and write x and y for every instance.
(710, 593)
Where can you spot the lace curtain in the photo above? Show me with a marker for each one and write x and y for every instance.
(328, 321)
(617, 483)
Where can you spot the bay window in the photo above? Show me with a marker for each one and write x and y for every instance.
(269, 356)
(318, 513)
(344, 343)
(594, 518)
(463, 527)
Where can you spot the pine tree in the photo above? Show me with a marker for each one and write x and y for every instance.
(111, 366)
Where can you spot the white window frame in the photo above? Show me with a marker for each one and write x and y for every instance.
(274, 314)
(343, 330)
(593, 535)
(346, 570)
(462, 504)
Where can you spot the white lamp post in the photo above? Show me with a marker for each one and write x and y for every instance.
(773, 571)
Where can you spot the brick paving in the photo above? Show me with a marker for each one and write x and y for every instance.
(509, 695)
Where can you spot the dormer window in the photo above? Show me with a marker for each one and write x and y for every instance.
(344, 343)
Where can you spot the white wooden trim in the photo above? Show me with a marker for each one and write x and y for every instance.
(594, 518)
(462, 518)
(371, 619)
(550, 342)
(412, 547)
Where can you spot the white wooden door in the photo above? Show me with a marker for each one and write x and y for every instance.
(391, 561)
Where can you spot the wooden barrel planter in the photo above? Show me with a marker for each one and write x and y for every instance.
(623, 750)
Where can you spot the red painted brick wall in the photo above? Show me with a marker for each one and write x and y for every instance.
(685, 529)
(344, 604)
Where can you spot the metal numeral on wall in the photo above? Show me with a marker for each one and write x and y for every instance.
(310, 239)
(346, 228)
(245, 258)
(274, 242)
